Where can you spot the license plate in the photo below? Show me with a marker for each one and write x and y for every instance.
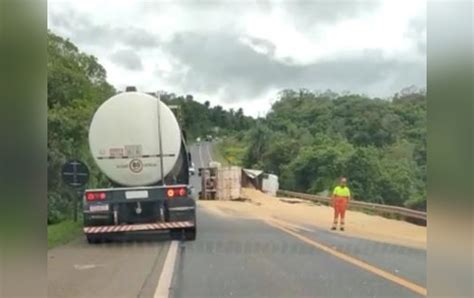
(96, 208)
(136, 194)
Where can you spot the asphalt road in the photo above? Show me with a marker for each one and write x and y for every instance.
(239, 257)
(118, 269)
(236, 257)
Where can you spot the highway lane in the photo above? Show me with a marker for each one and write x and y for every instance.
(117, 269)
(238, 257)
(201, 155)
(406, 262)
(195, 180)
(241, 257)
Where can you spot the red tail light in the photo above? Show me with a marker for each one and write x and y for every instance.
(176, 192)
(95, 196)
(182, 192)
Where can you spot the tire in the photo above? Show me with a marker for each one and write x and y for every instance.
(93, 239)
(176, 234)
(190, 234)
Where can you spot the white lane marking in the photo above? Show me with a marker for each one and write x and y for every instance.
(164, 283)
(296, 228)
(86, 266)
(291, 226)
(200, 156)
(208, 153)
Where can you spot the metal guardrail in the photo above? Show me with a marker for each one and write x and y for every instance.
(405, 212)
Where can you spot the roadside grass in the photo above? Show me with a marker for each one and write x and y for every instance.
(63, 232)
(230, 152)
(217, 154)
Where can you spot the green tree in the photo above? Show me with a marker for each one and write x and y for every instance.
(317, 166)
(364, 170)
(76, 87)
(259, 144)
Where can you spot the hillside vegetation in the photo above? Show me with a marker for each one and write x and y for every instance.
(76, 87)
(309, 139)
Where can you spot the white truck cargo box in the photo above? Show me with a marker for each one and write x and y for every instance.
(270, 184)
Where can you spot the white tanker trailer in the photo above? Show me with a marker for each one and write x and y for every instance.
(137, 143)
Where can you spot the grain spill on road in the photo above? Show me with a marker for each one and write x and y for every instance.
(372, 227)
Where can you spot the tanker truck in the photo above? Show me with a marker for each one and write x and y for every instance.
(136, 141)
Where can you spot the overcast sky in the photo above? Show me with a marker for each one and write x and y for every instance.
(241, 53)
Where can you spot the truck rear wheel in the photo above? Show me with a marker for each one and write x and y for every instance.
(92, 239)
(190, 234)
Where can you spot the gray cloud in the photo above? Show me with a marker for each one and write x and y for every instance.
(219, 61)
(212, 58)
(309, 13)
(300, 12)
(85, 32)
(218, 8)
(416, 29)
(127, 59)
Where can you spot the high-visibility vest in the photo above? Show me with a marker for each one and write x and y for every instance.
(340, 191)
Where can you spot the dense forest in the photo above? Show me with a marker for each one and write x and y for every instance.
(308, 138)
(200, 119)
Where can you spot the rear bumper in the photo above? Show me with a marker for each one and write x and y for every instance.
(138, 227)
(154, 208)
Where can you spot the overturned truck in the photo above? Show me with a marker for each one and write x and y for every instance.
(220, 183)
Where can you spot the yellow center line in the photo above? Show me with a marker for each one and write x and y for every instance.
(377, 271)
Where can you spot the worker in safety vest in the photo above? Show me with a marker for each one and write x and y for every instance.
(340, 198)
